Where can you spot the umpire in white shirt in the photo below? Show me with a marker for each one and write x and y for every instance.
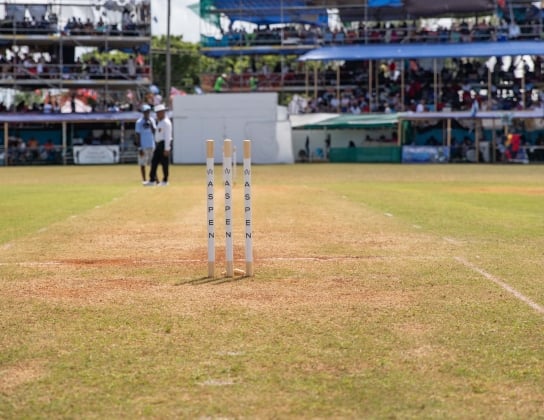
(163, 146)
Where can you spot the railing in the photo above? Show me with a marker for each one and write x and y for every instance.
(9, 27)
(393, 35)
(275, 81)
(28, 156)
(47, 72)
(54, 155)
(534, 153)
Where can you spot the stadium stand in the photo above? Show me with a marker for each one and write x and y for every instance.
(48, 71)
(293, 28)
(385, 56)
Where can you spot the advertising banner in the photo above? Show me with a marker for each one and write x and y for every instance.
(96, 155)
(425, 154)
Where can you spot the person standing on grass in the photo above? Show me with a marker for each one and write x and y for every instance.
(163, 146)
(145, 139)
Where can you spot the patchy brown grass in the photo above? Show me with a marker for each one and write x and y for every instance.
(14, 376)
(353, 312)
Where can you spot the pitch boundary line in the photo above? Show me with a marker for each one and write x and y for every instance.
(502, 284)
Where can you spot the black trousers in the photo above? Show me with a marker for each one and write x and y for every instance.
(159, 158)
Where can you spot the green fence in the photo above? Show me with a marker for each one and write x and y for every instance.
(382, 154)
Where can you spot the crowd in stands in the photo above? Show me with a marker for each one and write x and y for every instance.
(127, 27)
(95, 139)
(514, 85)
(50, 25)
(31, 151)
(38, 65)
(28, 149)
(460, 84)
(526, 26)
(81, 101)
(41, 65)
(43, 25)
(54, 108)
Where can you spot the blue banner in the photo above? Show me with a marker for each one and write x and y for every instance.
(425, 154)
(385, 3)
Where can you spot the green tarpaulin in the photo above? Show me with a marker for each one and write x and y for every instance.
(381, 154)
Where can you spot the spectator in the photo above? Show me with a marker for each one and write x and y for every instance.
(253, 83)
(220, 83)
(49, 150)
(145, 141)
(33, 149)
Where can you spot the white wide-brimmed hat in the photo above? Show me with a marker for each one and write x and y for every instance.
(160, 107)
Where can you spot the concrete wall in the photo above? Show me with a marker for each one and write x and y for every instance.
(238, 116)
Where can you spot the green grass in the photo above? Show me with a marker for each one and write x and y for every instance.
(360, 306)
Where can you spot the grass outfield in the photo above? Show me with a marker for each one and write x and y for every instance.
(380, 291)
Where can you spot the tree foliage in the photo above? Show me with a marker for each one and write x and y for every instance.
(115, 56)
(186, 63)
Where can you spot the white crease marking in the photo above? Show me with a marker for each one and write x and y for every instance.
(505, 286)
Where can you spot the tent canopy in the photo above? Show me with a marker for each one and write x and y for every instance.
(368, 121)
(410, 9)
(407, 51)
(463, 115)
(222, 51)
(93, 117)
(426, 8)
(348, 121)
(382, 3)
(265, 12)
